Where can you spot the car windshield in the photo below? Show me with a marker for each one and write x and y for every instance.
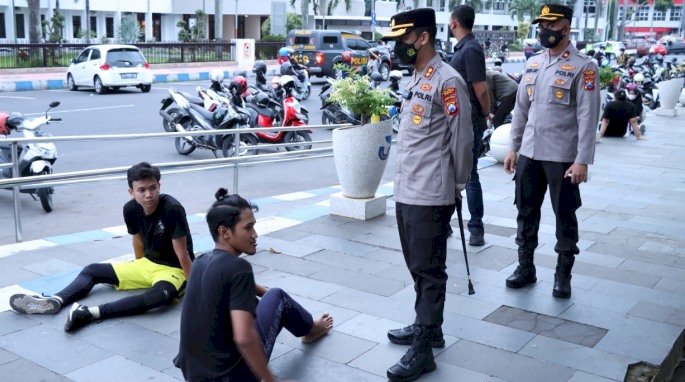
(125, 57)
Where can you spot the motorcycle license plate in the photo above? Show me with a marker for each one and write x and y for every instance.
(302, 59)
(356, 61)
(128, 75)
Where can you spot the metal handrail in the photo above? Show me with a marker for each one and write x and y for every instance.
(113, 173)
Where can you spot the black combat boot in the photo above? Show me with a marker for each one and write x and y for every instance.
(416, 361)
(562, 277)
(405, 336)
(525, 272)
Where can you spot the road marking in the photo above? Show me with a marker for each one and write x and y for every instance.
(89, 109)
(16, 97)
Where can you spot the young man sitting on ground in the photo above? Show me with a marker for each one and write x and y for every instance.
(163, 250)
(227, 334)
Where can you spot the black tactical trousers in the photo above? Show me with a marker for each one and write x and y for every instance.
(532, 177)
(423, 235)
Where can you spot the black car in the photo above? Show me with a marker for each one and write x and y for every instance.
(676, 48)
(320, 50)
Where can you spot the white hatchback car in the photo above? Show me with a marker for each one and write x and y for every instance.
(106, 67)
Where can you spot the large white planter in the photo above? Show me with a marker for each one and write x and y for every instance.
(499, 142)
(669, 92)
(682, 98)
(360, 154)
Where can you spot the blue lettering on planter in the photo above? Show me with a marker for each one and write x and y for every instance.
(383, 153)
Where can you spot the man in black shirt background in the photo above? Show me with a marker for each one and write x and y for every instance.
(469, 61)
(226, 333)
(617, 115)
(163, 249)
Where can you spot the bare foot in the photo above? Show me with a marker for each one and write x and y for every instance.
(320, 329)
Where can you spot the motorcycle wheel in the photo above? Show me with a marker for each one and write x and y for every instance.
(45, 195)
(169, 128)
(306, 93)
(384, 70)
(297, 136)
(246, 141)
(324, 119)
(183, 147)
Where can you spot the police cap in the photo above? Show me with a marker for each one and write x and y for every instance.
(554, 12)
(403, 22)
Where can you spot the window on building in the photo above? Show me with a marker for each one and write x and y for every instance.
(676, 13)
(19, 25)
(94, 25)
(43, 31)
(443, 5)
(3, 31)
(76, 25)
(429, 3)
(643, 13)
(658, 15)
(109, 27)
(499, 6)
(590, 6)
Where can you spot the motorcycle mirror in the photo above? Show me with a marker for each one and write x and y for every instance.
(54, 104)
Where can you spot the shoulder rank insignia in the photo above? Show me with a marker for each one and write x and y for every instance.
(560, 82)
(589, 80)
(534, 65)
(429, 72)
(426, 87)
(567, 67)
(450, 102)
(529, 90)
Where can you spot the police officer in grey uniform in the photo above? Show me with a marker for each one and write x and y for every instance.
(434, 159)
(553, 135)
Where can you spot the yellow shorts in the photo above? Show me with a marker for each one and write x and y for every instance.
(143, 273)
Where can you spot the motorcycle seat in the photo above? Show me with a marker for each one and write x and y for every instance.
(191, 98)
(208, 115)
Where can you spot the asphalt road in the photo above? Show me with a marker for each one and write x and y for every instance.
(97, 205)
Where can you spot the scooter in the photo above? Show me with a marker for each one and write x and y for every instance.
(34, 158)
(300, 74)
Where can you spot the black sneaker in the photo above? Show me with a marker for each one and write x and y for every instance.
(477, 240)
(405, 336)
(78, 317)
(25, 304)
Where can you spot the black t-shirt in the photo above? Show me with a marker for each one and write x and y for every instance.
(469, 61)
(219, 283)
(619, 114)
(157, 229)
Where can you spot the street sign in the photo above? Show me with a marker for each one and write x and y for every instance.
(373, 19)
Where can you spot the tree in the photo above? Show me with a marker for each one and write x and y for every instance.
(292, 21)
(129, 31)
(519, 9)
(316, 7)
(523, 30)
(53, 28)
(34, 21)
(194, 33)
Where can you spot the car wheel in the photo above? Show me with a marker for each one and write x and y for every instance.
(145, 88)
(70, 83)
(384, 70)
(99, 87)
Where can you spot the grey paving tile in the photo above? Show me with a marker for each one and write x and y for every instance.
(317, 308)
(587, 257)
(16, 276)
(41, 337)
(25, 370)
(369, 283)
(335, 346)
(50, 267)
(296, 265)
(667, 271)
(503, 364)
(386, 256)
(307, 367)
(581, 376)
(12, 322)
(279, 350)
(351, 262)
(344, 231)
(484, 332)
(545, 269)
(296, 248)
(629, 336)
(532, 298)
(118, 368)
(399, 273)
(656, 296)
(381, 240)
(659, 313)
(548, 326)
(494, 258)
(499, 230)
(577, 357)
(669, 285)
(298, 285)
(136, 343)
(634, 253)
(174, 372)
(164, 320)
(337, 245)
(373, 304)
(381, 357)
(289, 234)
(6, 356)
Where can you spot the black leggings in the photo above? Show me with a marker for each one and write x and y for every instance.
(162, 292)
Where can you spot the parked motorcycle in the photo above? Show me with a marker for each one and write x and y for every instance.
(300, 74)
(34, 158)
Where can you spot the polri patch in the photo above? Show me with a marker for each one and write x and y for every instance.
(426, 87)
(429, 72)
(416, 119)
(589, 80)
(449, 100)
(418, 109)
(559, 82)
(559, 94)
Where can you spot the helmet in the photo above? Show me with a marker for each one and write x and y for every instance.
(259, 67)
(287, 68)
(219, 114)
(395, 75)
(217, 75)
(4, 129)
(276, 82)
(631, 87)
(262, 100)
(239, 83)
(497, 62)
(285, 52)
(15, 119)
(287, 81)
(660, 58)
(638, 78)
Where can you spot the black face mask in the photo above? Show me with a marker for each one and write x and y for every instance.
(406, 52)
(550, 38)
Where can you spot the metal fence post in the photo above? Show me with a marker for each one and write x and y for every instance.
(18, 234)
(236, 146)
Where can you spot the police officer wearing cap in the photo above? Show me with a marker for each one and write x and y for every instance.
(552, 142)
(434, 157)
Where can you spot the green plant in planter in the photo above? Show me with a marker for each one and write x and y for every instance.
(606, 75)
(355, 93)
